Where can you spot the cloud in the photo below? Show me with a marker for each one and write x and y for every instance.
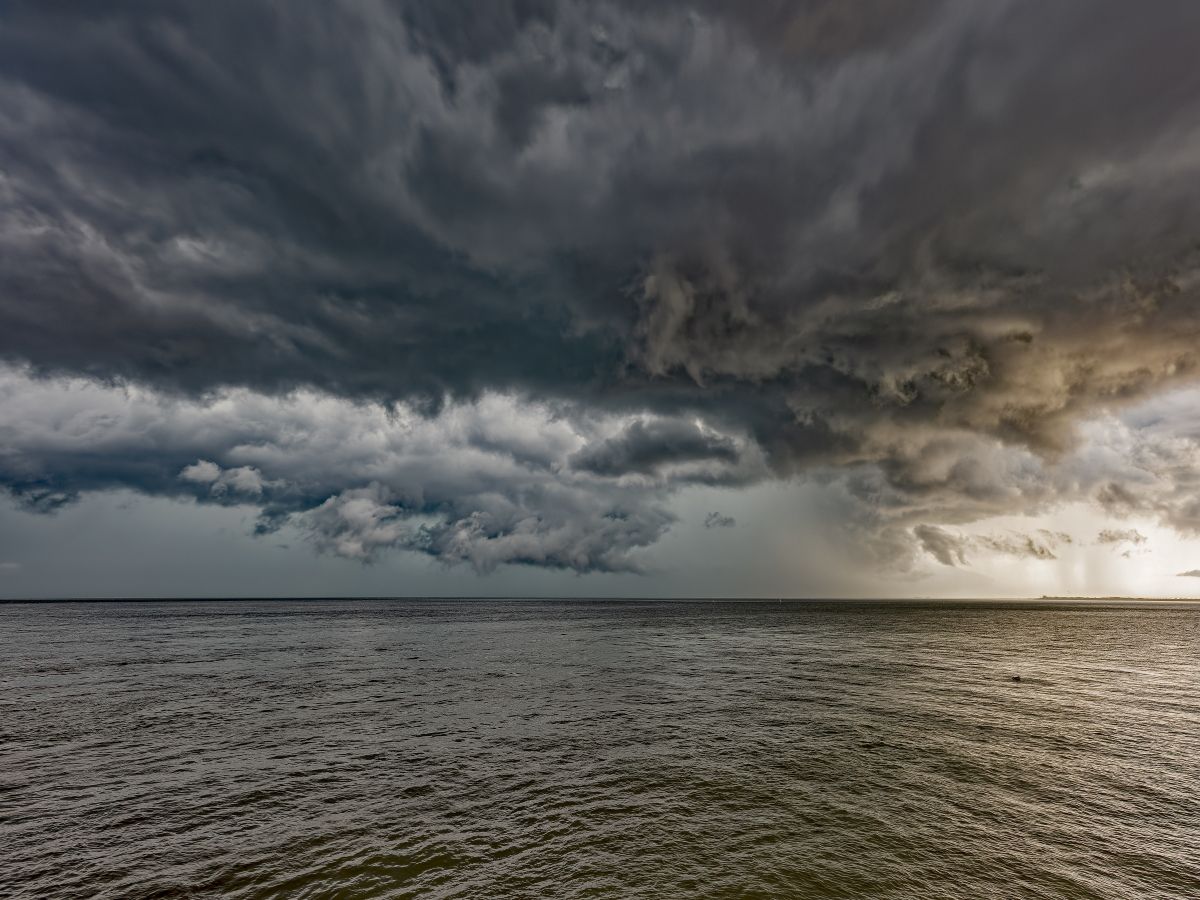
(951, 549)
(239, 480)
(1019, 545)
(483, 483)
(201, 472)
(645, 447)
(948, 549)
(717, 520)
(911, 250)
(1194, 573)
(1130, 538)
(1121, 536)
(9, 566)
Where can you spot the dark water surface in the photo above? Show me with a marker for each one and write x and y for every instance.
(539, 749)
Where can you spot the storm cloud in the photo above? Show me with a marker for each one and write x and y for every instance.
(494, 282)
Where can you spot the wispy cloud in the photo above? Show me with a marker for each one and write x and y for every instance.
(1121, 536)
(952, 548)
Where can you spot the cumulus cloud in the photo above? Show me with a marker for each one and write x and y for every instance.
(484, 483)
(912, 249)
(245, 480)
(201, 472)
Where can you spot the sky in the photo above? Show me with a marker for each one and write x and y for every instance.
(558, 298)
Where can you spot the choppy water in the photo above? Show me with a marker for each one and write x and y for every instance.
(506, 749)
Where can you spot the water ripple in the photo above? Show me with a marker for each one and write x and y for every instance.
(506, 749)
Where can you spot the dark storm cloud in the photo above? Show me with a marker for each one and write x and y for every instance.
(914, 243)
(718, 520)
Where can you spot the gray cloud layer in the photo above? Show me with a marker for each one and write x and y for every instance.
(485, 484)
(906, 245)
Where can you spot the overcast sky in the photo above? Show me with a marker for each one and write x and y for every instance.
(823, 298)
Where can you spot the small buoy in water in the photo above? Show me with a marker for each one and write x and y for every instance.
(1016, 678)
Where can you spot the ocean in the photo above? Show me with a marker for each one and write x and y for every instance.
(551, 749)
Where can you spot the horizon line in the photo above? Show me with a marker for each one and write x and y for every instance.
(545, 598)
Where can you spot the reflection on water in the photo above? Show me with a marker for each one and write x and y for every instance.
(507, 749)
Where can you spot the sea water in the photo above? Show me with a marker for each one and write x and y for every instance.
(599, 749)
